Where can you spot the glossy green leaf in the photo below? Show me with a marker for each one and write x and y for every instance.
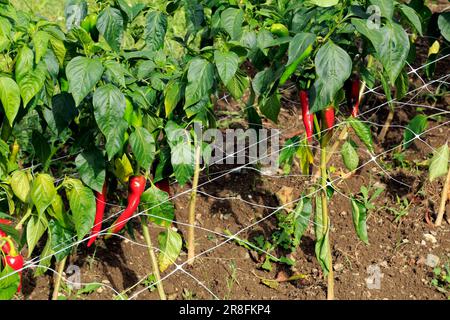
(172, 95)
(82, 204)
(386, 7)
(227, 64)
(170, 244)
(36, 227)
(24, 62)
(412, 17)
(9, 283)
(444, 25)
(270, 107)
(10, 98)
(200, 80)
(92, 168)
(439, 162)
(21, 185)
(155, 30)
(61, 240)
(231, 21)
(302, 216)
(363, 132)
(325, 3)
(359, 214)
(349, 156)
(160, 209)
(40, 42)
(110, 26)
(83, 74)
(415, 128)
(109, 109)
(43, 192)
(143, 145)
(31, 83)
(333, 67)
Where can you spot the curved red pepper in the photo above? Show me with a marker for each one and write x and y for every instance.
(308, 117)
(328, 118)
(355, 97)
(100, 210)
(136, 189)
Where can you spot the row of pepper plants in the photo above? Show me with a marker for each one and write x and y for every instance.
(106, 104)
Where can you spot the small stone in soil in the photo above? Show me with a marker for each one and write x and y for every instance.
(430, 238)
(338, 267)
(432, 260)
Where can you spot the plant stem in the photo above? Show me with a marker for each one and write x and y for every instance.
(325, 218)
(60, 271)
(443, 200)
(24, 218)
(191, 229)
(153, 260)
(386, 125)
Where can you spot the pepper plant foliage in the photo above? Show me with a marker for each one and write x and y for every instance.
(115, 93)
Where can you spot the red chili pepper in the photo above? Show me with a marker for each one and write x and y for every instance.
(14, 260)
(308, 117)
(355, 96)
(328, 118)
(16, 263)
(163, 185)
(136, 188)
(5, 221)
(101, 204)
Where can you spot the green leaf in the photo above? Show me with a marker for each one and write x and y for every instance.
(270, 107)
(9, 283)
(172, 95)
(82, 204)
(116, 71)
(300, 48)
(43, 192)
(333, 67)
(183, 162)
(62, 113)
(170, 244)
(160, 209)
(415, 128)
(74, 12)
(200, 80)
(412, 17)
(439, 162)
(143, 145)
(31, 83)
(231, 21)
(83, 74)
(227, 63)
(61, 240)
(325, 3)
(92, 168)
(21, 185)
(24, 62)
(359, 213)
(41, 147)
(110, 26)
(155, 30)
(402, 85)
(444, 25)
(322, 238)
(238, 84)
(302, 216)
(45, 257)
(36, 227)
(109, 109)
(10, 98)
(363, 132)
(349, 156)
(40, 42)
(386, 7)
(59, 50)
(393, 49)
